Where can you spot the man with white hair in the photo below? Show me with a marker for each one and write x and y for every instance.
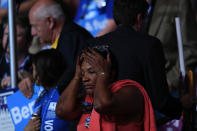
(47, 21)
(53, 27)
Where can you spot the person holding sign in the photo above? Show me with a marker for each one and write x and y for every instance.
(48, 66)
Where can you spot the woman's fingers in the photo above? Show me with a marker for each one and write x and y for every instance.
(98, 62)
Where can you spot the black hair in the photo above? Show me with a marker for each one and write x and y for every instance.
(125, 11)
(50, 65)
(103, 50)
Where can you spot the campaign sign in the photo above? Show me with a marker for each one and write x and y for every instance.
(21, 108)
(5, 119)
(91, 16)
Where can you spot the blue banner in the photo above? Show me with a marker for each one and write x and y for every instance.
(92, 15)
(5, 119)
(21, 108)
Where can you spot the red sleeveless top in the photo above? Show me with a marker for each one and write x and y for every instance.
(97, 123)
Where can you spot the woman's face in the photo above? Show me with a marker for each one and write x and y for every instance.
(88, 77)
(20, 37)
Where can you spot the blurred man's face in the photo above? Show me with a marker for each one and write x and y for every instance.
(40, 29)
(20, 37)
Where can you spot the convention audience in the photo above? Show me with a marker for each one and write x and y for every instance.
(23, 37)
(51, 26)
(111, 79)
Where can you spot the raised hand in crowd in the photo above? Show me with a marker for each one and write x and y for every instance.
(25, 86)
(6, 82)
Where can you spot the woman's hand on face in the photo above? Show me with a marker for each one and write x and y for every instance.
(98, 63)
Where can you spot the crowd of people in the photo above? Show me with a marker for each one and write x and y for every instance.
(104, 64)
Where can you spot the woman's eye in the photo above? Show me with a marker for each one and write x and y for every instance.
(91, 72)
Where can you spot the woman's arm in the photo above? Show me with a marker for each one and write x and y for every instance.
(68, 104)
(127, 103)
